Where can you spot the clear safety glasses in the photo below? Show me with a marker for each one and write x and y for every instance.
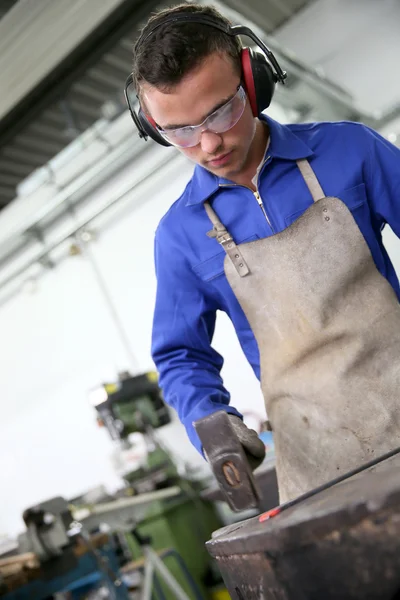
(219, 121)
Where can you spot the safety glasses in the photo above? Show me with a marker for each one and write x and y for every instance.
(219, 121)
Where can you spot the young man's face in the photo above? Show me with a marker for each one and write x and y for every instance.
(194, 99)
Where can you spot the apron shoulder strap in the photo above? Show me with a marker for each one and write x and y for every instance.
(310, 179)
(218, 227)
(223, 237)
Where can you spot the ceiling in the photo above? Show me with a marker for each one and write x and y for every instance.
(269, 15)
(79, 91)
(5, 6)
(88, 85)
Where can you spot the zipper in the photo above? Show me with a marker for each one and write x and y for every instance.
(257, 196)
(261, 205)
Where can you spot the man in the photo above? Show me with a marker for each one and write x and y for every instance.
(301, 271)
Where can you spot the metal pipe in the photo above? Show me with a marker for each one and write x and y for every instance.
(158, 170)
(99, 172)
(140, 500)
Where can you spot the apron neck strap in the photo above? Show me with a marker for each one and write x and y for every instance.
(212, 215)
(223, 237)
(310, 179)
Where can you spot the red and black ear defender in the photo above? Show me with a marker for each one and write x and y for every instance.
(260, 71)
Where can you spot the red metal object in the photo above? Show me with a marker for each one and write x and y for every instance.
(269, 514)
(275, 511)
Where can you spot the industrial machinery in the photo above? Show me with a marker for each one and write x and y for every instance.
(96, 558)
(134, 404)
(130, 404)
(55, 556)
(340, 541)
(150, 534)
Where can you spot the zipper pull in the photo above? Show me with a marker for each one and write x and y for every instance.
(261, 205)
(258, 198)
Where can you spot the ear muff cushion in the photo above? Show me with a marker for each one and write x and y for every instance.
(259, 80)
(247, 73)
(148, 126)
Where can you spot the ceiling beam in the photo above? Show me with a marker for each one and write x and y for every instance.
(11, 166)
(7, 193)
(34, 143)
(34, 158)
(123, 21)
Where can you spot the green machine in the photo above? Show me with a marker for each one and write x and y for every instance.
(135, 405)
(184, 522)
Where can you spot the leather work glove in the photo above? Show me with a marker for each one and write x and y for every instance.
(253, 446)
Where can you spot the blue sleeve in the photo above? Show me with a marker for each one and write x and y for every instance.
(382, 177)
(183, 328)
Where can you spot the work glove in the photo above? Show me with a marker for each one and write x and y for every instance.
(252, 445)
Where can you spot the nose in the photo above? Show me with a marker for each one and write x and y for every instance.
(210, 141)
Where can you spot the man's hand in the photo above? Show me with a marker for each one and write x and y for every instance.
(253, 446)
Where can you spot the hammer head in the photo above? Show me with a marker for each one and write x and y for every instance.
(228, 461)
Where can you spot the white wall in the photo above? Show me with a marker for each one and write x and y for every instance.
(59, 342)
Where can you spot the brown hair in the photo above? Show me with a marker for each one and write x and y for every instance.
(174, 49)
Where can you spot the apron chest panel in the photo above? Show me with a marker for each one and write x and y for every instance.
(327, 326)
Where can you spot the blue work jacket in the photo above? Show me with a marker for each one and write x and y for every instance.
(351, 162)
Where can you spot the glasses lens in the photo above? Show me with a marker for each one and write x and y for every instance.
(219, 121)
(228, 115)
(184, 137)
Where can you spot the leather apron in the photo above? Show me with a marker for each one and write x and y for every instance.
(327, 325)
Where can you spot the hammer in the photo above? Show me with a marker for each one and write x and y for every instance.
(228, 461)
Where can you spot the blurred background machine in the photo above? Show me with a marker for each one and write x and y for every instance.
(54, 556)
(134, 405)
(148, 537)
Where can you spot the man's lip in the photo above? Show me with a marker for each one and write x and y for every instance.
(220, 157)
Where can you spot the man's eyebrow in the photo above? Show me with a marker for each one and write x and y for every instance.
(216, 107)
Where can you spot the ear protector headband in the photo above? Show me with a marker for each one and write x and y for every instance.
(260, 71)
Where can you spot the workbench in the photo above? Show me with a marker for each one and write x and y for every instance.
(24, 578)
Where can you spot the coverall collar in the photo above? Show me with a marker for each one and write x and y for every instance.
(284, 144)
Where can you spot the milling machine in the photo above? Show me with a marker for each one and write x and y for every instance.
(134, 405)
